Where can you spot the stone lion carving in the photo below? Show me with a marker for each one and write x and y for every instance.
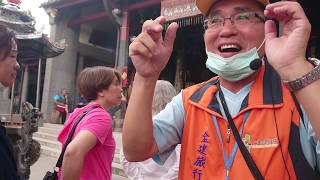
(27, 150)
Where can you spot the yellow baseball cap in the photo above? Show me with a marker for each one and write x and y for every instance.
(205, 5)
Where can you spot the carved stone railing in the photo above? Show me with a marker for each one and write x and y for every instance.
(20, 130)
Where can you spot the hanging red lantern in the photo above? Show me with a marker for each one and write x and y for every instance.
(14, 1)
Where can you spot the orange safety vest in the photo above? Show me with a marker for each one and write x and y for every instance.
(273, 116)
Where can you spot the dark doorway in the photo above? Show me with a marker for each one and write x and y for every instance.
(189, 46)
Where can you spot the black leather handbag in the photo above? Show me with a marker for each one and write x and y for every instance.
(54, 175)
(51, 175)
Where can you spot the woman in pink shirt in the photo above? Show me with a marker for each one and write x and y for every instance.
(90, 153)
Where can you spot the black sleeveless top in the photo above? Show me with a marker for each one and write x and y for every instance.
(8, 167)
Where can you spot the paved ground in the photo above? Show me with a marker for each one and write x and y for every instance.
(43, 164)
(46, 163)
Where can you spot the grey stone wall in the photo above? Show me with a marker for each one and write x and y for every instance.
(4, 100)
(61, 70)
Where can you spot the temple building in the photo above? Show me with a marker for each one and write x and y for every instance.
(98, 32)
(21, 118)
(33, 49)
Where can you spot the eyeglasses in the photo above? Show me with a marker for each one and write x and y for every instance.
(240, 20)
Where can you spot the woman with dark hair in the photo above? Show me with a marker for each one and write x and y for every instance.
(90, 153)
(8, 73)
(8, 57)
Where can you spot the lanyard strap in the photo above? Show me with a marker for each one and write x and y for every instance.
(244, 151)
(229, 161)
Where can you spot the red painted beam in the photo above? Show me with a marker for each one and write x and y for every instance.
(141, 5)
(64, 4)
(124, 29)
(90, 18)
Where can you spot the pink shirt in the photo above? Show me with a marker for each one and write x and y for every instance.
(98, 161)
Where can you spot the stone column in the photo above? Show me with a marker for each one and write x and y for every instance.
(39, 82)
(122, 53)
(121, 62)
(4, 100)
(80, 64)
(61, 70)
(25, 83)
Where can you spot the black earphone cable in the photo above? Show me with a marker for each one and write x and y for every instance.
(275, 122)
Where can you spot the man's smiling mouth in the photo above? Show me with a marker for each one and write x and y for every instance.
(229, 48)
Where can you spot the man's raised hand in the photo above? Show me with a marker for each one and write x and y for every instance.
(150, 51)
(286, 52)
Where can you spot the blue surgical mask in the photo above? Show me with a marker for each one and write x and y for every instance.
(234, 68)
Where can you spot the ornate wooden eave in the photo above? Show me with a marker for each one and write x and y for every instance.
(34, 46)
(136, 5)
(16, 19)
(60, 4)
(110, 5)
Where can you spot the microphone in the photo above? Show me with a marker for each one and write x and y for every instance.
(255, 64)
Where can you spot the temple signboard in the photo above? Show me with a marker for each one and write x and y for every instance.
(178, 9)
(14, 1)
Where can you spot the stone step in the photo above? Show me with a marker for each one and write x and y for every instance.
(117, 151)
(50, 152)
(44, 135)
(55, 145)
(117, 168)
(48, 143)
(47, 137)
(118, 138)
(55, 126)
(116, 158)
(117, 177)
(49, 130)
(43, 139)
